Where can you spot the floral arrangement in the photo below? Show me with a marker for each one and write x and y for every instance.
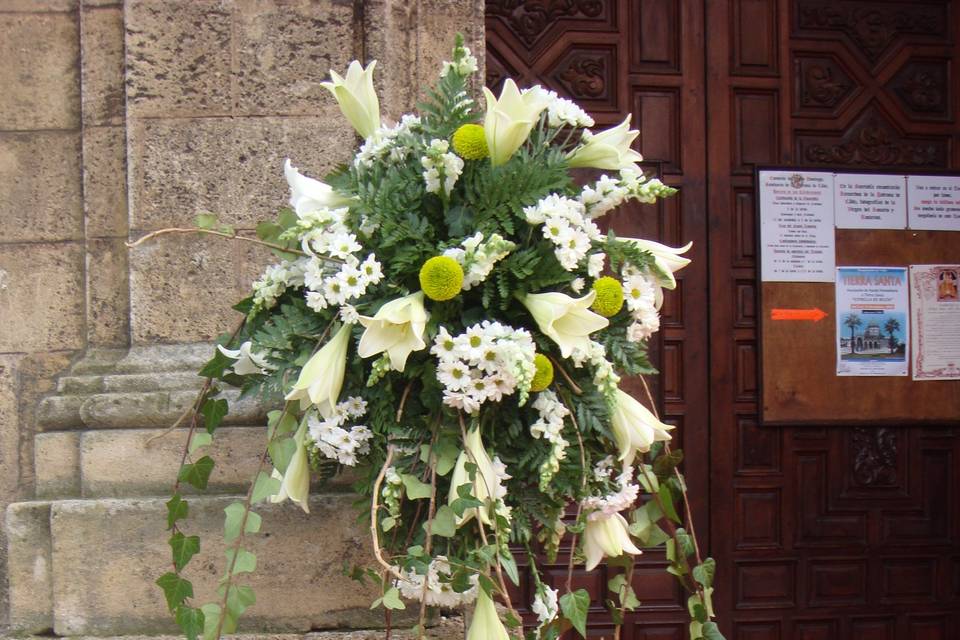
(447, 318)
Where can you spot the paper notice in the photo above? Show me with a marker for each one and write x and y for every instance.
(935, 313)
(934, 202)
(796, 226)
(870, 201)
(872, 329)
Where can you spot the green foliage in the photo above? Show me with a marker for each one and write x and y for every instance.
(196, 474)
(183, 548)
(214, 410)
(177, 509)
(574, 606)
(239, 516)
(175, 589)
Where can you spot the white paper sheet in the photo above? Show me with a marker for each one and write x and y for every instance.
(870, 201)
(934, 202)
(872, 321)
(935, 313)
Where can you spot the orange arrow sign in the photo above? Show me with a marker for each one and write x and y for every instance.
(816, 315)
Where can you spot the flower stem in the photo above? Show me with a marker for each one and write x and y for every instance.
(221, 234)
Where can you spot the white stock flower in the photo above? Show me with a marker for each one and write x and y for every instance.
(396, 328)
(322, 377)
(668, 259)
(308, 195)
(567, 321)
(295, 481)
(486, 483)
(609, 149)
(606, 535)
(356, 96)
(545, 605)
(247, 362)
(486, 623)
(635, 428)
(510, 118)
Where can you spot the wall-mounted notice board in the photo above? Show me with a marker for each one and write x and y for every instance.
(860, 310)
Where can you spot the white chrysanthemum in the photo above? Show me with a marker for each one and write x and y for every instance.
(595, 264)
(577, 284)
(349, 314)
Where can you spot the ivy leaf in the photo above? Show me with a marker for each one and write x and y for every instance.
(465, 501)
(705, 572)
(177, 509)
(443, 523)
(206, 221)
(231, 527)
(281, 452)
(509, 565)
(415, 489)
(264, 487)
(213, 411)
(710, 631)
(215, 367)
(190, 621)
(211, 618)
(196, 474)
(388, 523)
(239, 598)
(246, 561)
(666, 498)
(175, 589)
(574, 607)
(666, 463)
(391, 599)
(184, 548)
(200, 439)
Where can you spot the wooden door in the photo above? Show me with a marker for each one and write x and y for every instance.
(820, 534)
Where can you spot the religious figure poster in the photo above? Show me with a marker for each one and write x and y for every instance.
(870, 201)
(934, 202)
(935, 313)
(796, 226)
(872, 321)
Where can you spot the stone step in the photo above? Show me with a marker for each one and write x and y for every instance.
(87, 567)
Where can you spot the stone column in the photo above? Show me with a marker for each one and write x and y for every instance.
(118, 119)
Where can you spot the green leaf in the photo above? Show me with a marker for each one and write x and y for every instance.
(211, 618)
(184, 548)
(696, 609)
(666, 499)
(239, 598)
(199, 439)
(264, 487)
(574, 607)
(246, 561)
(215, 367)
(281, 421)
(415, 489)
(196, 474)
(214, 410)
(666, 463)
(647, 479)
(705, 572)
(391, 599)
(231, 527)
(465, 501)
(206, 221)
(175, 589)
(711, 631)
(281, 452)
(190, 621)
(388, 523)
(177, 509)
(443, 523)
(509, 565)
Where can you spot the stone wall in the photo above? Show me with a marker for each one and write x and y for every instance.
(121, 118)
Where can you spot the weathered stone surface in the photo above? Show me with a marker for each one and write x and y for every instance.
(284, 51)
(101, 41)
(40, 185)
(232, 167)
(52, 273)
(9, 427)
(438, 24)
(390, 34)
(103, 575)
(37, 6)
(108, 292)
(178, 57)
(56, 461)
(105, 181)
(40, 59)
(29, 567)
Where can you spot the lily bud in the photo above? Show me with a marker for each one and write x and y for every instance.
(606, 535)
(635, 428)
(567, 321)
(396, 328)
(321, 378)
(609, 149)
(356, 97)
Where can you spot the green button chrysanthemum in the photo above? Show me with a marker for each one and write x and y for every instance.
(609, 298)
(441, 278)
(544, 374)
(470, 142)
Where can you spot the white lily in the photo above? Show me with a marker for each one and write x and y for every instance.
(486, 484)
(308, 195)
(247, 362)
(606, 535)
(295, 482)
(510, 118)
(396, 328)
(356, 97)
(609, 149)
(668, 259)
(486, 623)
(635, 428)
(568, 321)
(322, 377)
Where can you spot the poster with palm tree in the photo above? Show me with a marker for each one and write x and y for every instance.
(872, 324)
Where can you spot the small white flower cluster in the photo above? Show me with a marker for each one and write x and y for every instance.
(392, 493)
(490, 360)
(604, 375)
(612, 503)
(333, 440)
(608, 193)
(477, 257)
(348, 283)
(545, 604)
(440, 592)
(275, 280)
(390, 142)
(439, 164)
(550, 427)
(466, 65)
(560, 111)
(566, 225)
(641, 293)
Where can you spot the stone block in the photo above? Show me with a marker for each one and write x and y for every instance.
(29, 567)
(9, 427)
(284, 50)
(101, 42)
(40, 53)
(56, 462)
(108, 292)
(105, 181)
(41, 296)
(104, 575)
(390, 38)
(178, 56)
(40, 185)
(36, 6)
